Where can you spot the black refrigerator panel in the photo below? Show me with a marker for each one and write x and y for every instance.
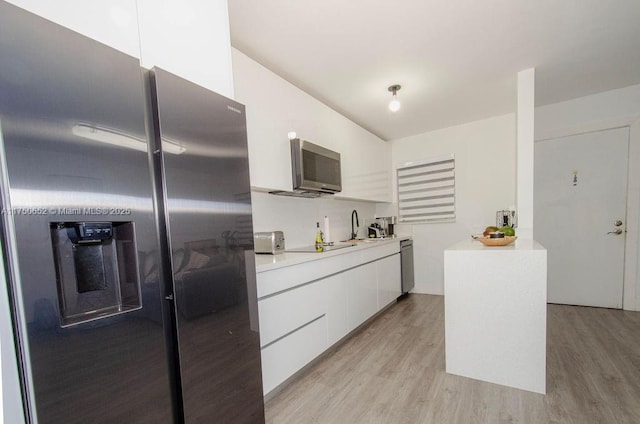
(78, 227)
(208, 201)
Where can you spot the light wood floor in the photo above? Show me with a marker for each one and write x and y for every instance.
(393, 371)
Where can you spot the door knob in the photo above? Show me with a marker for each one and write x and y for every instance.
(617, 223)
(617, 231)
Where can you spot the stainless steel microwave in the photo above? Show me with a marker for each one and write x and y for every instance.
(315, 168)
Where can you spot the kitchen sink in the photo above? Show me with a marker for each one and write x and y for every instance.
(365, 240)
(313, 249)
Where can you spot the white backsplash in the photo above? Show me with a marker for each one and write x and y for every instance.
(297, 217)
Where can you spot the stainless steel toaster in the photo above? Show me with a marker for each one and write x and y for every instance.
(271, 242)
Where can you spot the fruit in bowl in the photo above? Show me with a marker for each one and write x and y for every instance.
(508, 231)
(490, 229)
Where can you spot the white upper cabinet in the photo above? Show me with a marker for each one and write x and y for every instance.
(275, 107)
(114, 23)
(270, 102)
(366, 170)
(188, 38)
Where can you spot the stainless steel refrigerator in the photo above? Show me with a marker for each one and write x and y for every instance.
(127, 236)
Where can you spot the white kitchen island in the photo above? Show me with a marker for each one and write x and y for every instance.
(496, 313)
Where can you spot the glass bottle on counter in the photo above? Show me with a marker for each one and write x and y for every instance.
(319, 237)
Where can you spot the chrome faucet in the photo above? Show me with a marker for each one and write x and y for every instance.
(354, 232)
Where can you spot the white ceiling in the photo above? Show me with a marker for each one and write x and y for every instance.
(456, 60)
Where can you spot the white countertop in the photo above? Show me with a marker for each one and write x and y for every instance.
(518, 245)
(267, 262)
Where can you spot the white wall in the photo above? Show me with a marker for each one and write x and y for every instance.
(611, 109)
(525, 119)
(485, 183)
(297, 217)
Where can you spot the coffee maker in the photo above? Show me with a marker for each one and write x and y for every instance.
(507, 217)
(387, 223)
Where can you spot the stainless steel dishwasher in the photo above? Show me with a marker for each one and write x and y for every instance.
(406, 265)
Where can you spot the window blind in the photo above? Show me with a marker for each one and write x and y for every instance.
(426, 190)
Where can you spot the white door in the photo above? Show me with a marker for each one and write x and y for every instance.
(580, 199)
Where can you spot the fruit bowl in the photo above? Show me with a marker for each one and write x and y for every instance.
(487, 241)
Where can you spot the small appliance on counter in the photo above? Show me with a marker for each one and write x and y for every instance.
(375, 231)
(506, 218)
(271, 242)
(387, 223)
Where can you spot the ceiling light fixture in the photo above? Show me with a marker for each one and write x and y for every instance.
(117, 138)
(394, 104)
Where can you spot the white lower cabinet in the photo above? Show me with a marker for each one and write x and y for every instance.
(389, 280)
(306, 308)
(362, 294)
(284, 312)
(355, 295)
(282, 358)
(337, 308)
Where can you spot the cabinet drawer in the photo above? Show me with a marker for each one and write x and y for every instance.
(288, 310)
(377, 252)
(285, 357)
(389, 281)
(274, 281)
